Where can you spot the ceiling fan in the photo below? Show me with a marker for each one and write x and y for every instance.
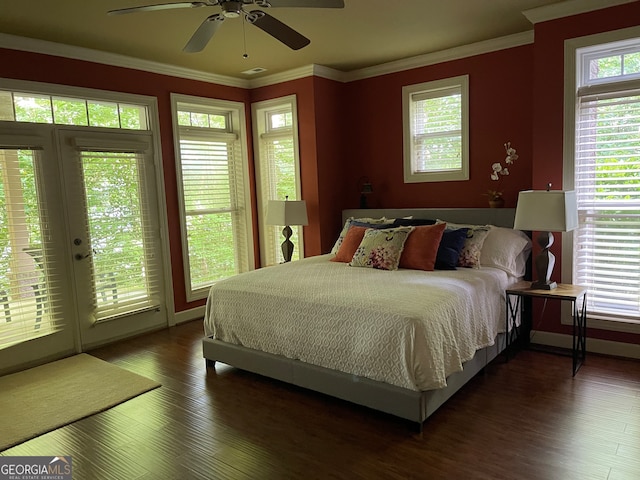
(234, 9)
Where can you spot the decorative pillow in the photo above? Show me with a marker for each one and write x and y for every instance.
(470, 254)
(412, 222)
(349, 244)
(506, 249)
(381, 248)
(450, 247)
(356, 223)
(476, 235)
(421, 247)
(347, 224)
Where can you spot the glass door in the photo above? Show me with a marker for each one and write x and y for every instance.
(36, 315)
(114, 234)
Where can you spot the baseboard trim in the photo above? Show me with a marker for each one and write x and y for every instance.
(189, 315)
(594, 345)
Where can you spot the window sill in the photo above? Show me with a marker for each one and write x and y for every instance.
(624, 326)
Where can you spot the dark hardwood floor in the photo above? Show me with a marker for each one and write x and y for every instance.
(527, 418)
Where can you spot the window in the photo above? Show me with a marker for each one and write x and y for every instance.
(435, 116)
(215, 203)
(278, 170)
(58, 110)
(606, 177)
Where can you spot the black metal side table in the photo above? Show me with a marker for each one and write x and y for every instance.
(563, 292)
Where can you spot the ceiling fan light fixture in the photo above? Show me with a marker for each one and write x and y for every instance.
(231, 9)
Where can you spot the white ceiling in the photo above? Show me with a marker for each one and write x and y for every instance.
(363, 34)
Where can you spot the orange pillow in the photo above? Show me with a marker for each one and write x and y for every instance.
(349, 244)
(421, 247)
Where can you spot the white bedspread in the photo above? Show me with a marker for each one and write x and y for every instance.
(408, 328)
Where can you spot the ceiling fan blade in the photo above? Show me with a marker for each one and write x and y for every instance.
(301, 3)
(160, 6)
(203, 34)
(277, 29)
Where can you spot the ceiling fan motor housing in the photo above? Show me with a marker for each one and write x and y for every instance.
(231, 9)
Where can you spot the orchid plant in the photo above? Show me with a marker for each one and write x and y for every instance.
(498, 171)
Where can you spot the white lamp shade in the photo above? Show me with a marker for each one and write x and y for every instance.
(288, 212)
(546, 210)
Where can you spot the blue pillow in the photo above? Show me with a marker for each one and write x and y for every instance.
(450, 247)
(377, 226)
(412, 222)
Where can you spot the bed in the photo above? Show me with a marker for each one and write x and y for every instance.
(369, 335)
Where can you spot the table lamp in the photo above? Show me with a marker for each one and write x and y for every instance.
(287, 212)
(546, 211)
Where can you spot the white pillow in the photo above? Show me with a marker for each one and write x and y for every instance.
(506, 249)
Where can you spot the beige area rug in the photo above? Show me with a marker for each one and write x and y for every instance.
(44, 398)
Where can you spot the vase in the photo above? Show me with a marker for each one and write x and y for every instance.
(496, 202)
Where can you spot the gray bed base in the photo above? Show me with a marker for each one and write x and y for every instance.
(411, 405)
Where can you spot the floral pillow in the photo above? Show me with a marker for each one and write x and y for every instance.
(381, 249)
(470, 254)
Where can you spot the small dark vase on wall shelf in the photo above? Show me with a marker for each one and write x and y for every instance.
(496, 202)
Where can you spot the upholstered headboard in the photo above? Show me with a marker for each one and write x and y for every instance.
(500, 217)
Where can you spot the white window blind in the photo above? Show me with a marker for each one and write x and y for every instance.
(279, 178)
(214, 206)
(278, 167)
(123, 241)
(214, 195)
(607, 183)
(29, 301)
(436, 130)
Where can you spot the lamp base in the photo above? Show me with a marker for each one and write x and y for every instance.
(544, 263)
(287, 245)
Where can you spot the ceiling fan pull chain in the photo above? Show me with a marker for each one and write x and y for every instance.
(244, 40)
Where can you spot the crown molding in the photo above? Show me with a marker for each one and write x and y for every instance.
(569, 8)
(96, 56)
(89, 55)
(297, 73)
(456, 53)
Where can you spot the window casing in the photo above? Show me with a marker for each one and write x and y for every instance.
(278, 170)
(215, 207)
(604, 168)
(435, 125)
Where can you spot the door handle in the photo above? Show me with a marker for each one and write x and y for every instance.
(79, 256)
